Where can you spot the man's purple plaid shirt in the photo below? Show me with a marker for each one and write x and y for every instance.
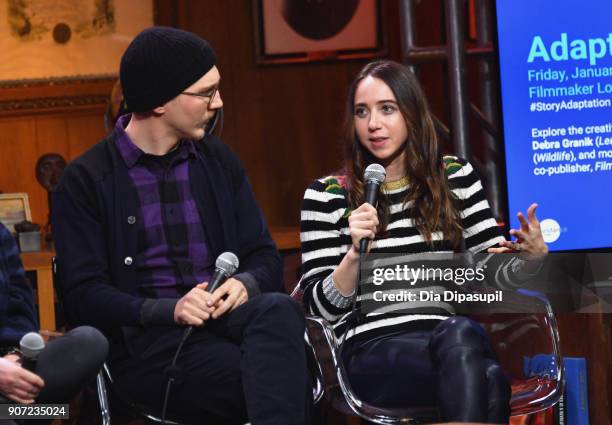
(173, 255)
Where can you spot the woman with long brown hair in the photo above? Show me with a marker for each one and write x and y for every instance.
(428, 203)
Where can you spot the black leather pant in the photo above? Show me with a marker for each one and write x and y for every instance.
(452, 366)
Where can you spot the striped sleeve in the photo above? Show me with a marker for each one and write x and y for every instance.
(325, 241)
(480, 228)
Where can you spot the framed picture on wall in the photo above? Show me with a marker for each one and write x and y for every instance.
(14, 208)
(289, 31)
(47, 40)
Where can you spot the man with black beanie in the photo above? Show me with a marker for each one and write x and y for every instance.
(139, 220)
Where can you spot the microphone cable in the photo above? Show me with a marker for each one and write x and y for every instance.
(173, 372)
(225, 266)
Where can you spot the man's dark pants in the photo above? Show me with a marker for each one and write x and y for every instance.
(251, 360)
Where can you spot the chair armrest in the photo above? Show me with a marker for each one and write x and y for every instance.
(524, 333)
(324, 344)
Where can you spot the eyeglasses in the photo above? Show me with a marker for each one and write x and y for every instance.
(210, 95)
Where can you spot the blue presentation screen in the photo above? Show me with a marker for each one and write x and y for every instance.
(556, 83)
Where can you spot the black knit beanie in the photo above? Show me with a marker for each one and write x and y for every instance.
(160, 63)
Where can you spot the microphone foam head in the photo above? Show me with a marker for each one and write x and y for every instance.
(228, 262)
(374, 173)
(31, 344)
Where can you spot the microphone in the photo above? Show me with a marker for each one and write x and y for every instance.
(31, 345)
(226, 265)
(373, 177)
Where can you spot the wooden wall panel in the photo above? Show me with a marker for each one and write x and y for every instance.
(23, 139)
(84, 131)
(17, 158)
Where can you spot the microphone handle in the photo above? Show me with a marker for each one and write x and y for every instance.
(371, 193)
(363, 245)
(28, 363)
(370, 196)
(218, 278)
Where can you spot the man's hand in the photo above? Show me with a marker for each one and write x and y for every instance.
(194, 308)
(236, 295)
(17, 383)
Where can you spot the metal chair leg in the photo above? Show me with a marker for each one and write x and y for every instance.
(103, 398)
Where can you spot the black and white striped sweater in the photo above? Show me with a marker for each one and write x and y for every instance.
(325, 240)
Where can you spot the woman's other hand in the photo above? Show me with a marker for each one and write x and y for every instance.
(529, 237)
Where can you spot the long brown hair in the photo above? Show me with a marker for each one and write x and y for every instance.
(435, 207)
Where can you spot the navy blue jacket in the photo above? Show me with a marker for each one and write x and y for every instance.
(17, 312)
(96, 243)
